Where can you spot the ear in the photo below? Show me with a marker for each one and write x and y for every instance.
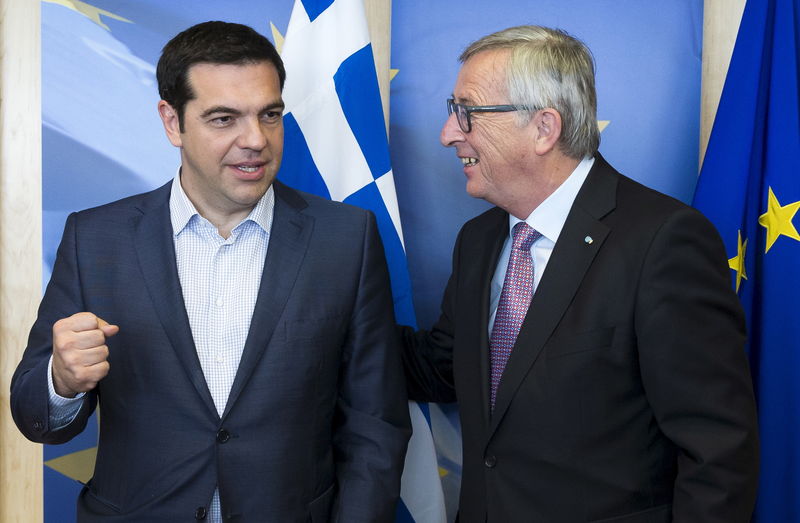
(548, 130)
(169, 117)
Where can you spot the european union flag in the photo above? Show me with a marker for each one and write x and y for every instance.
(336, 146)
(750, 188)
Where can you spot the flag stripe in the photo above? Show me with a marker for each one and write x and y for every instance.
(315, 7)
(370, 198)
(298, 169)
(359, 100)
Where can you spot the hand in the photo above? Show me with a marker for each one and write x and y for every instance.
(80, 353)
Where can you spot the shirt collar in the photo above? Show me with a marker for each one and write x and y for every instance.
(549, 217)
(182, 210)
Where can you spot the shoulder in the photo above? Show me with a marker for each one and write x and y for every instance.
(650, 223)
(126, 208)
(319, 207)
(630, 205)
(638, 203)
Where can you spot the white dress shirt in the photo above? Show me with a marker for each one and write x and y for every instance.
(548, 218)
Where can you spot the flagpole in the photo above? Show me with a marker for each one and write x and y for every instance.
(20, 242)
(379, 20)
(720, 24)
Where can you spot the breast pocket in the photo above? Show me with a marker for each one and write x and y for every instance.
(576, 343)
(321, 328)
(309, 352)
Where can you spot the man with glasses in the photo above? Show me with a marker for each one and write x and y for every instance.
(588, 331)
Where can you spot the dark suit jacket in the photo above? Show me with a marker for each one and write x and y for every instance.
(316, 424)
(627, 396)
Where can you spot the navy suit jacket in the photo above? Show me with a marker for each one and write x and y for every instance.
(627, 396)
(316, 424)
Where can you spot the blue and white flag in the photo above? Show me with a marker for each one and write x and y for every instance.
(336, 146)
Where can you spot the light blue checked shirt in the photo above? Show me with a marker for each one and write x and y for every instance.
(220, 279)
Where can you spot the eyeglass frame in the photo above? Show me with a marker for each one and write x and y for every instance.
(469, 109)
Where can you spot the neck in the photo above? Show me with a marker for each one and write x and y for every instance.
(224, 222)
(550, 174)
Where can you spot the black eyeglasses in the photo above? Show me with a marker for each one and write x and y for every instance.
(463, 112)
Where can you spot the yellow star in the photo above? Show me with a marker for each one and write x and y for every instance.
(89, 11)
(778, 220)
(737, 262)
(78, 465)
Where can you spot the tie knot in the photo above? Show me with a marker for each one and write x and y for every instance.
(524, 236)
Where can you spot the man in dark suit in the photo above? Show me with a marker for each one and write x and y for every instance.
(588, 330)
(237, 334)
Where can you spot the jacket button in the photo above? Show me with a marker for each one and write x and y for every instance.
(223, 436)
(490, 461)
(200, 513)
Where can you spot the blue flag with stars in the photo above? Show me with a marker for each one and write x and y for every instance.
(336, 146)
(749, 187)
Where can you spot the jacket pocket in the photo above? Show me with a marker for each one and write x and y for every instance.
(659, 514)
(566, 344)
(97, 503)
(319, 510)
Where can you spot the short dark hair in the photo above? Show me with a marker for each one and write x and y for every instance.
(213, 43)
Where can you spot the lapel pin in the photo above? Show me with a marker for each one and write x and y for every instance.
(588, 240)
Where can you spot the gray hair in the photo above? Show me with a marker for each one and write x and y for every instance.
(549, 68)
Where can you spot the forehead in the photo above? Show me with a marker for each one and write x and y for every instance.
(234, 81)
(482, 78)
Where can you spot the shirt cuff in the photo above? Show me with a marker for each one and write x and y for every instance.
(62, 410)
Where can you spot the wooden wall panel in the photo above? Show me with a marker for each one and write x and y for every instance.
(20, 242)
(720, 25)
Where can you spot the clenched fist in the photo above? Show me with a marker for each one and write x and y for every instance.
(80, 353)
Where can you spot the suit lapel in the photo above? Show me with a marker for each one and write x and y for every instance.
(571, 258)
(484, 248)
(156, 252)
(288, 243)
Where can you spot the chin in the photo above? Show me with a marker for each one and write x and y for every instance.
(475, 190)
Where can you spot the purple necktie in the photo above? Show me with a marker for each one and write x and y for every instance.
(514, 301)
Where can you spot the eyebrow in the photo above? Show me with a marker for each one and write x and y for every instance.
(273, 106)
(219, 109)
(236, 112)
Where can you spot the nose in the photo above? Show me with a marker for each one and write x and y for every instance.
(451, 132)
(253, 134)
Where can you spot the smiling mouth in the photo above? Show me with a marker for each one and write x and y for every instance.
(248, 168)
(469, 161)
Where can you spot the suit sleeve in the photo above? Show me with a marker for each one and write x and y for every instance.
(691, 337)
(29, 385)
(372, 425)
(428, 354)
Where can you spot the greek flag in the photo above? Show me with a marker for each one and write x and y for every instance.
(336, 146)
